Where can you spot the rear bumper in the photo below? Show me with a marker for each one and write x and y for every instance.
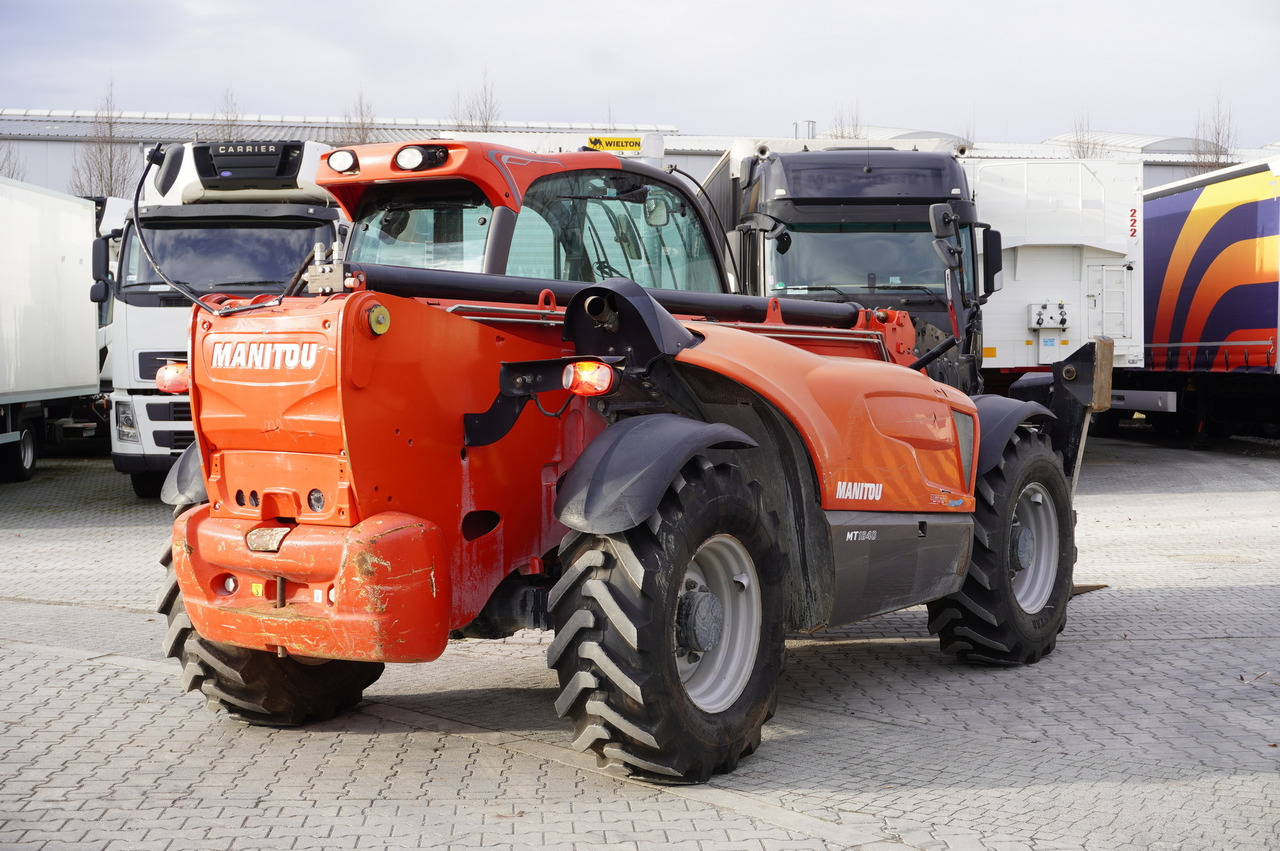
(375, 592)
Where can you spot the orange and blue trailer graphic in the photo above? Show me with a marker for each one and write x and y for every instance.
(1213, 288)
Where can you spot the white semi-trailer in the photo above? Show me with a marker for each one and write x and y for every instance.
(48, 361)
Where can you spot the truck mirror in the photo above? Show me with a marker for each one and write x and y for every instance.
(771, 227)
(947, 253)
(992, 261)
(102, 260)
(942, 220)
(99, 292)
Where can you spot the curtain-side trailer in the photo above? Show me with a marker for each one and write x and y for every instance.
(1212, 251)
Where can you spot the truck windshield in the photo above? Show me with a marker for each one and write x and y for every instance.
(857, 259)
(214, 256)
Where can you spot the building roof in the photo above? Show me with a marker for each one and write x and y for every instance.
(76, 125)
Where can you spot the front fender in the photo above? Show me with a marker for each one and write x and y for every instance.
(998, 418)
(618, 480)
(185, 483)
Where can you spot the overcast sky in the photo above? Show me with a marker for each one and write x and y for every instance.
(994, 70)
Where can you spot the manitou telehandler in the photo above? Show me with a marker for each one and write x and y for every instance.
(528, 397)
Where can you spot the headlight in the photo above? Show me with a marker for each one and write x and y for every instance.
(419, 157)
(343, 161)
(126, 424)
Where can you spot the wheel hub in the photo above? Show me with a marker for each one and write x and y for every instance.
(1022, 543)
(699, 620)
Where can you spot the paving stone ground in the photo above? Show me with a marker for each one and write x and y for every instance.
(1154, 725)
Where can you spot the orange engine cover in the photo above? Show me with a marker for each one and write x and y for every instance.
(314, 425)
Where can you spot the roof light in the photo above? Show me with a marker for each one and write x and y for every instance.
(343, 161)
(419, 157)
(588, 378)
(173, 378)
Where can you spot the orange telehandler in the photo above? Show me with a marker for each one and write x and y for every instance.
(528, 397)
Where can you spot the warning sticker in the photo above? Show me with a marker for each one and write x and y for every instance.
(614, 143)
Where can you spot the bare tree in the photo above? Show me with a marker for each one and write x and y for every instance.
(1215, 139)
(846, 122)
(11, 165)
(359, 121)
(103, 163)
(226, 117)
(478, 109)
(1084, 143)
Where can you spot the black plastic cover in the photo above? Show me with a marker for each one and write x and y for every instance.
(618, 480)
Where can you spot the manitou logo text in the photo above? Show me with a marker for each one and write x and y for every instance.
(264, 355)
(858, 490)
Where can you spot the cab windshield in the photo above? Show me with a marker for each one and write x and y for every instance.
(217, 256)
(858, 259)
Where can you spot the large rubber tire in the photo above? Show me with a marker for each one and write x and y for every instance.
(1013, 603)
(668, 701)
(255, 686)
(18, 459)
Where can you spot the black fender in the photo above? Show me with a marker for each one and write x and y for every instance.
(185, 484)
(618, 480)
(998, 418)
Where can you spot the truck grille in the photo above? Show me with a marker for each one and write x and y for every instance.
(175, 441)
(169, 411)
(150, 362)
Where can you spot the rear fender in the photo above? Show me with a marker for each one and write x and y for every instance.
(998, 418)
(619, 479)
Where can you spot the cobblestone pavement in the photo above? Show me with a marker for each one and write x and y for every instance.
(1154, 725)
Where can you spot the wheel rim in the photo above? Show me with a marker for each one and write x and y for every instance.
(1034, 548)
(27, 450)
(721, 569)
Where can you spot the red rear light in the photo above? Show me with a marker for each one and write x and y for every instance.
(173, 378)
(588, 378)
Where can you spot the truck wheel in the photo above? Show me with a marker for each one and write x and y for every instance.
(147, 485)
(1013, 602)
(669, 636)
(18, 459)
(255, 686)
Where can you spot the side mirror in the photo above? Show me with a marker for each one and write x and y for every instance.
(102, 258)
(942, 220)
(992, 262)
(771, 227)
(947, 253)
(99, 292)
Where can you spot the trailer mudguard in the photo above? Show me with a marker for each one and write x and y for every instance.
(618, 480)
(185, 483)
(998, 418)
